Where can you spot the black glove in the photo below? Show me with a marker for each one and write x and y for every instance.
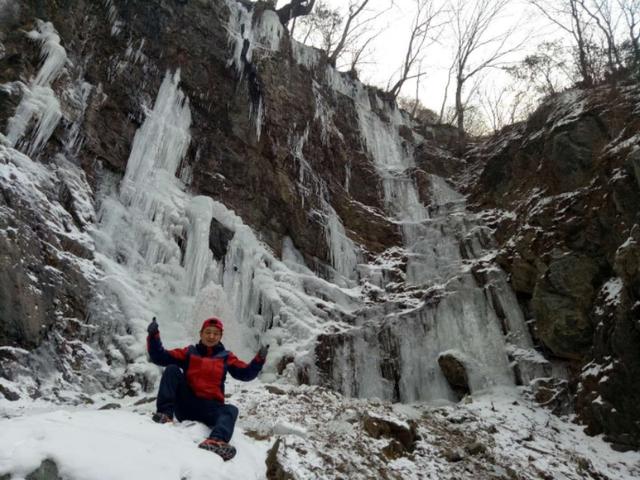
(152, 329)
(264, 350)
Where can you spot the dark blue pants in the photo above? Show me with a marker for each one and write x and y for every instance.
(175, 397)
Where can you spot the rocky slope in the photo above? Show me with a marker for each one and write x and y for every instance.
(561, 191)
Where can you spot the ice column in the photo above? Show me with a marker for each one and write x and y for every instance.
(246, 36)
(153, 236)
(344, 254)
(198, 257)
(39, 102)
(162, 141)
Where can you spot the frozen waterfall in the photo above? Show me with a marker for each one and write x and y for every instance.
(391, 352)
(395, 355)
(152, 243)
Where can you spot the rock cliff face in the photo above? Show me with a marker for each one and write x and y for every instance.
(270, 139)
(373, 260)
(563, 187)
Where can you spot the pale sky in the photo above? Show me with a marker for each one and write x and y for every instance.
(389, 48)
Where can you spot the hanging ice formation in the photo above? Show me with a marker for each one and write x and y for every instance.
(153, 244)
(39, 103)
(344, 255)
(144, 226)
(244, 38)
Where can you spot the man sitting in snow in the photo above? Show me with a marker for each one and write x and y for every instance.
(192, 385)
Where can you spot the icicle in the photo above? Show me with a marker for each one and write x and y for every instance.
(140, 229)
(197, 256)
(344, 254)
(305, 55)
(39, 100)
(116, 23)
(162, 141)
(245, 36)
(40, 103)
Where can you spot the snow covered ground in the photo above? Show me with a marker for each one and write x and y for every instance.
(318, 435)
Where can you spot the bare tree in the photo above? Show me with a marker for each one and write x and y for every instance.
(491, 102)
(606, 21)
(355, 9)
(569, 16)
(341, 36)
(477, 47)
(543, 72)
(421, 31)
(321, 27)
(631, 12)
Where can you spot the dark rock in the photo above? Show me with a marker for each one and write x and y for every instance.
(219, 238)
(48, 470)
(393, 450)
(283, 363)
(111, 406)
(406, 436)
(562, 248)
(453, 454)
(455, 372)
(561, 302)
(627, 259)
(523, 275)
(275, 470)
(9, 18)
(633, 164)
(553, 394)
(9, 394)
(572, 151)
(475, 448)
(274, 390)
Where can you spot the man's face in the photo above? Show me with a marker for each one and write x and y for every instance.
(210, 336)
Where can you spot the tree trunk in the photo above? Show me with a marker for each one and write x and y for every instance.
(459, 111)
(295, 8)
(583, 61)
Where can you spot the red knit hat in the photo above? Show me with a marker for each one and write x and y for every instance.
(212, 322)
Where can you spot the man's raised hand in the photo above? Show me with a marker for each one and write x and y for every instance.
(264, 350)
(153, 329)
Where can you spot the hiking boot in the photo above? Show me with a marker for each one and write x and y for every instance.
(222, 448)
(160, 417)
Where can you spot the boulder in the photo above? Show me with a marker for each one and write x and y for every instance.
(275, 470)
(455, 372)
(561, 302)
(48, 470)
(403, 436)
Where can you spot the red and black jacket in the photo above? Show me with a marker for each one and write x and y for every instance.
(205, 367)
